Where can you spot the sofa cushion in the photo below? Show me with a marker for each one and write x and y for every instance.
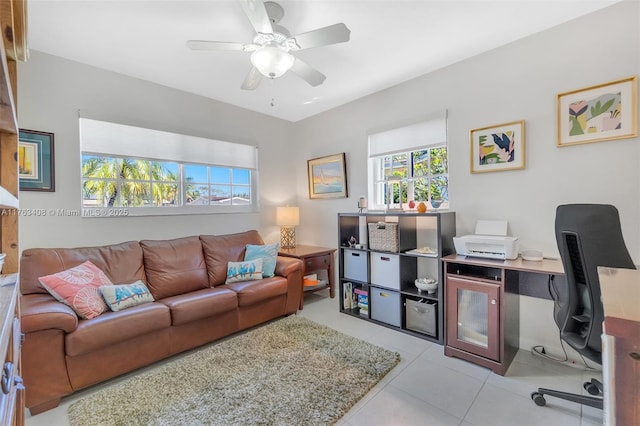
(220, 249)
(246, 270)
(268, 253)
(174, 266)
(252, 292)
(122, 296)
(77, 287)
(113, 327)
(200, 304)
(122, 263)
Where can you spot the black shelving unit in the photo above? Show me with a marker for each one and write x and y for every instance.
(387, 297)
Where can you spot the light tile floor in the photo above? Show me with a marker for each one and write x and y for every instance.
(428, 388)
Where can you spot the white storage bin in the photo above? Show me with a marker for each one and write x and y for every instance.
(355, 265)
(421, 316)
(385, 270)
(384, 306)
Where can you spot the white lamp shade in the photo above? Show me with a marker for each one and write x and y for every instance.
(271, 61)
(288, 216)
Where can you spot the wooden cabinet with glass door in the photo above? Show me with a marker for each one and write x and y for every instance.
(482, 318)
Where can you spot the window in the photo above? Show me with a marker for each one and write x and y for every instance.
(155, 186)
(409, 163)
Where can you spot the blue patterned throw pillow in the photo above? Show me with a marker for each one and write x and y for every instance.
(244, 271)
(268, 253)
(119, 297)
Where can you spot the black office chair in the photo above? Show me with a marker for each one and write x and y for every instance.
(588, 236)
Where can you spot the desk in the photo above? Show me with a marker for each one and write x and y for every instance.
(315, 259)
(482, 309)
(620, 293)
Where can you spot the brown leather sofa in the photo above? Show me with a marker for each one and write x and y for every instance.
(193, 306)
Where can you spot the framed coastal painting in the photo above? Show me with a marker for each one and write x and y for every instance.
(598, 113)
(328, 177)
(497, 148)
(35, 161)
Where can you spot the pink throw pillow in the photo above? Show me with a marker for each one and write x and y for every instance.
(78, 288)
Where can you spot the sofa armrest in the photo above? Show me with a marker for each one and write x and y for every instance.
(42, 312)
(291, 268)
(285, 266)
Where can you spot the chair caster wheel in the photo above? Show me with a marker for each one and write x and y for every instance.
(538, 399)
(591, 388)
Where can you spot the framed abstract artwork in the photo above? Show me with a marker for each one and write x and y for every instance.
(328, 177)
(35, 161)
(598, 113)
(497, 148)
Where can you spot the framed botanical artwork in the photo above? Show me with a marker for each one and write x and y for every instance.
(328, 177)
(497, 148)
(598, 113)
(35, 161)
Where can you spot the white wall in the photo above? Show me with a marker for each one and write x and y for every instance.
(515, 82)
(52, 90)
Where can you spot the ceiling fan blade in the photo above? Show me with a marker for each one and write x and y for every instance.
(252, 80)
(257, 14)
(307, 73)
(214, 45)
(337, 33)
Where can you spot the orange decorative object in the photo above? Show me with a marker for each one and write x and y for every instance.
(422, 208)
(310, 283)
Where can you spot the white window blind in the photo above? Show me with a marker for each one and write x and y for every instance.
(426, 134)
(100, 137)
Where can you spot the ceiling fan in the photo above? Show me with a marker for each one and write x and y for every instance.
(272, 46)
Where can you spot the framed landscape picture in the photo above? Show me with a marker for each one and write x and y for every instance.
(35, 161)
(603, 112)
(328, 177)
(497, 148)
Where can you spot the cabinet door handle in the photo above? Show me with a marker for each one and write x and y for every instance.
(384, 294)
(6, 377)
(386, 259)
(355, 254)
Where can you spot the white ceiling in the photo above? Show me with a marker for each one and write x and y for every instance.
(391, 42)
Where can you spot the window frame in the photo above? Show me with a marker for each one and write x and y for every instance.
(115, 140)
(378, 184)
(167, 210)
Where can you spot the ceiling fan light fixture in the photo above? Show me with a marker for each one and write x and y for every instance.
(272, 61)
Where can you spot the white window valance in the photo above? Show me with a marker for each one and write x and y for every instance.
(426, 134)
(101, 137)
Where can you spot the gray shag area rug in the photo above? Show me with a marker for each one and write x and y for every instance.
(292, 371)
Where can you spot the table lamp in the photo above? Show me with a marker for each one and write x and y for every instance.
(288, 218)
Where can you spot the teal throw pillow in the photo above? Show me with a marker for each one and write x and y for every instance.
(244, 271)
(268, 253)
(123, 296)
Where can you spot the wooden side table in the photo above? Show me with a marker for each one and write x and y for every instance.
(315, 259)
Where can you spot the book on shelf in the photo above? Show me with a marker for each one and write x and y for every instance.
(360, 291)
(363, 300)
(347, 297)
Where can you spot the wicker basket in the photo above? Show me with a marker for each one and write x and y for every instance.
(383, 236)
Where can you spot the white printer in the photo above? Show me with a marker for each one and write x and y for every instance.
(490, 241)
